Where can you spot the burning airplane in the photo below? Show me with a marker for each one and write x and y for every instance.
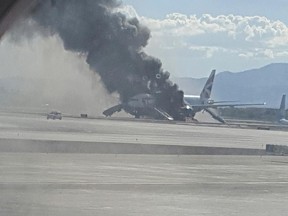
(113, 46)
(143, 105)
(149, 105)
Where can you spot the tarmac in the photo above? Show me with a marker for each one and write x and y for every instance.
(65, 168)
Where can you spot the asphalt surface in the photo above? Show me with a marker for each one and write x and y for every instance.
(42, 183)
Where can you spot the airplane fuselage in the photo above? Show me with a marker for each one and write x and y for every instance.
(140, 105)
(141, 101)
(196, 101)
(193, 99)
(147, 105)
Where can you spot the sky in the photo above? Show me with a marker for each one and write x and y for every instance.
(192, 37)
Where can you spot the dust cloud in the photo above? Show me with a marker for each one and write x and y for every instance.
(38, 73)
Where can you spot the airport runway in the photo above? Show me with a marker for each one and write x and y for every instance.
(33, 127)
(45, 183)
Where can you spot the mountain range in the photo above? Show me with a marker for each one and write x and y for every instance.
(265, 84)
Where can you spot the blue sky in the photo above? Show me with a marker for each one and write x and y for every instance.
(276, 9)
(191, 37)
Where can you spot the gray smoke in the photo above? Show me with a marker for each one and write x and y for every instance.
(113, 45)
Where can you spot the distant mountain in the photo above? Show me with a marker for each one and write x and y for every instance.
(266, 84)
(257, 85)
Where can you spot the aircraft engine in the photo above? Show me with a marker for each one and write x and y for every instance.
(158, 76)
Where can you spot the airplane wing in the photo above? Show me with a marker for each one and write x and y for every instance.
(217, 102)
(204, 106)
(112, 110)
(215, 116)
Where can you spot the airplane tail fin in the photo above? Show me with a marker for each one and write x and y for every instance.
(206, 92)
(282, 107)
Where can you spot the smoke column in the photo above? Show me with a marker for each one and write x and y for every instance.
(113, 45)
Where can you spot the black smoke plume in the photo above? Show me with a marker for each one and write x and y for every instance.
(113, 45)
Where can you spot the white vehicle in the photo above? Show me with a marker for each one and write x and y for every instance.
(54, 115)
